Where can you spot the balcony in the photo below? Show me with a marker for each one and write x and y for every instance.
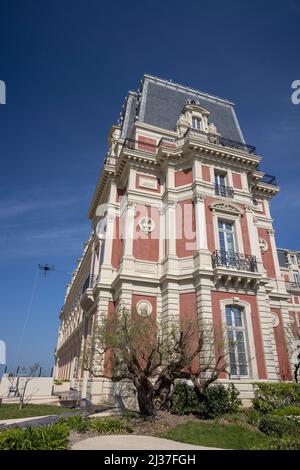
(222, 141)
(225, 191)
(232, 260)
(133, 144)
(235, 270)
(177, 142)
(293, 287)
(87, 296)
(269, 179)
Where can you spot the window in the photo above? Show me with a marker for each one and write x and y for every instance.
(293, 261)
(220, 179)
(196, 123)
(221, 188)
(236, 341)
(226, 236)
(296, 278)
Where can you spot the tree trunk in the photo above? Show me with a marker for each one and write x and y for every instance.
(145, 396)
(164, 390)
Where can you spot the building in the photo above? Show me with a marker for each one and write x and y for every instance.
(181, 225)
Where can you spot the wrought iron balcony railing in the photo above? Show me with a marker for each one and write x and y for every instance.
(216, 139)
(222, 190)
(230, 259)
(133, 144)
(269, 179)
(223, 141)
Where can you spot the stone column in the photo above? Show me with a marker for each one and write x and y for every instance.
(201, 235)
(106, 270)
(171, 227)
(162, 234)
(128, 235)
(253, 238)
(128, 228)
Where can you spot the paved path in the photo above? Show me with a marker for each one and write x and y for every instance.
(34, 420)
(133, 442)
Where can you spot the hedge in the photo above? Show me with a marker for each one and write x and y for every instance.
(279, 426)
(270, 396)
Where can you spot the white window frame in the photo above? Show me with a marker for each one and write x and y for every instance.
(296, 278)
(234, 329)
(197, 119)
(249, 336)
(218, 175)
(220, 220)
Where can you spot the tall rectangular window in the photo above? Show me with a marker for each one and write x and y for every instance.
(220, 179)
(296, 278)
(226, 236)
(236, 335)
(196, 123)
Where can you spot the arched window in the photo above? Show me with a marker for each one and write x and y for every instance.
(236, 337)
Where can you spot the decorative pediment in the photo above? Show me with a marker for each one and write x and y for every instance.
(228, 208)
(193, 105)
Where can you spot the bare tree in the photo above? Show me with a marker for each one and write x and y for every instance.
(152, 357)
(196, 354)
(293, 334)
(134, 352)
(26, 376)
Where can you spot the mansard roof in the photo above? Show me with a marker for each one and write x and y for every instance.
(160, 102)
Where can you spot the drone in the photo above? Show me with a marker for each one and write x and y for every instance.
(46, 268)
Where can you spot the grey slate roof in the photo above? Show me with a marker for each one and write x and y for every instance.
(160, 103)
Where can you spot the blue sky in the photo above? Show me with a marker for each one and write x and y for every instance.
(68, 65)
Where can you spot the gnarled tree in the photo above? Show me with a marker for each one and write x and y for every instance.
(128, 346)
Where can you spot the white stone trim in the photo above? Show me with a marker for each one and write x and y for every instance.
(250, 344)
(237, 232)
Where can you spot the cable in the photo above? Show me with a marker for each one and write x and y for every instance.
(27, 316)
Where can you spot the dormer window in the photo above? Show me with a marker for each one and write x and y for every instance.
(197, 123)
(192, 116)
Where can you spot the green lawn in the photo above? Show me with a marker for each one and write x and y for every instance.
(223, 436)
(12, 411)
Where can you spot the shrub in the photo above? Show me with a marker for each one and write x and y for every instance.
(217, 401)
(184, 399)
(278, 426)
(108, 426)
(51, 437)
(290, 410)
(57, 382)
(268, 397)
(253, 417)
(79, 424)
(281, 443)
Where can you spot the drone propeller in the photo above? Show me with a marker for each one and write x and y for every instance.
(46, 268)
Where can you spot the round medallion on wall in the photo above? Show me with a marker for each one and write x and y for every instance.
(275, 320)
(144, 308)
(146, 224)
(263, 245)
